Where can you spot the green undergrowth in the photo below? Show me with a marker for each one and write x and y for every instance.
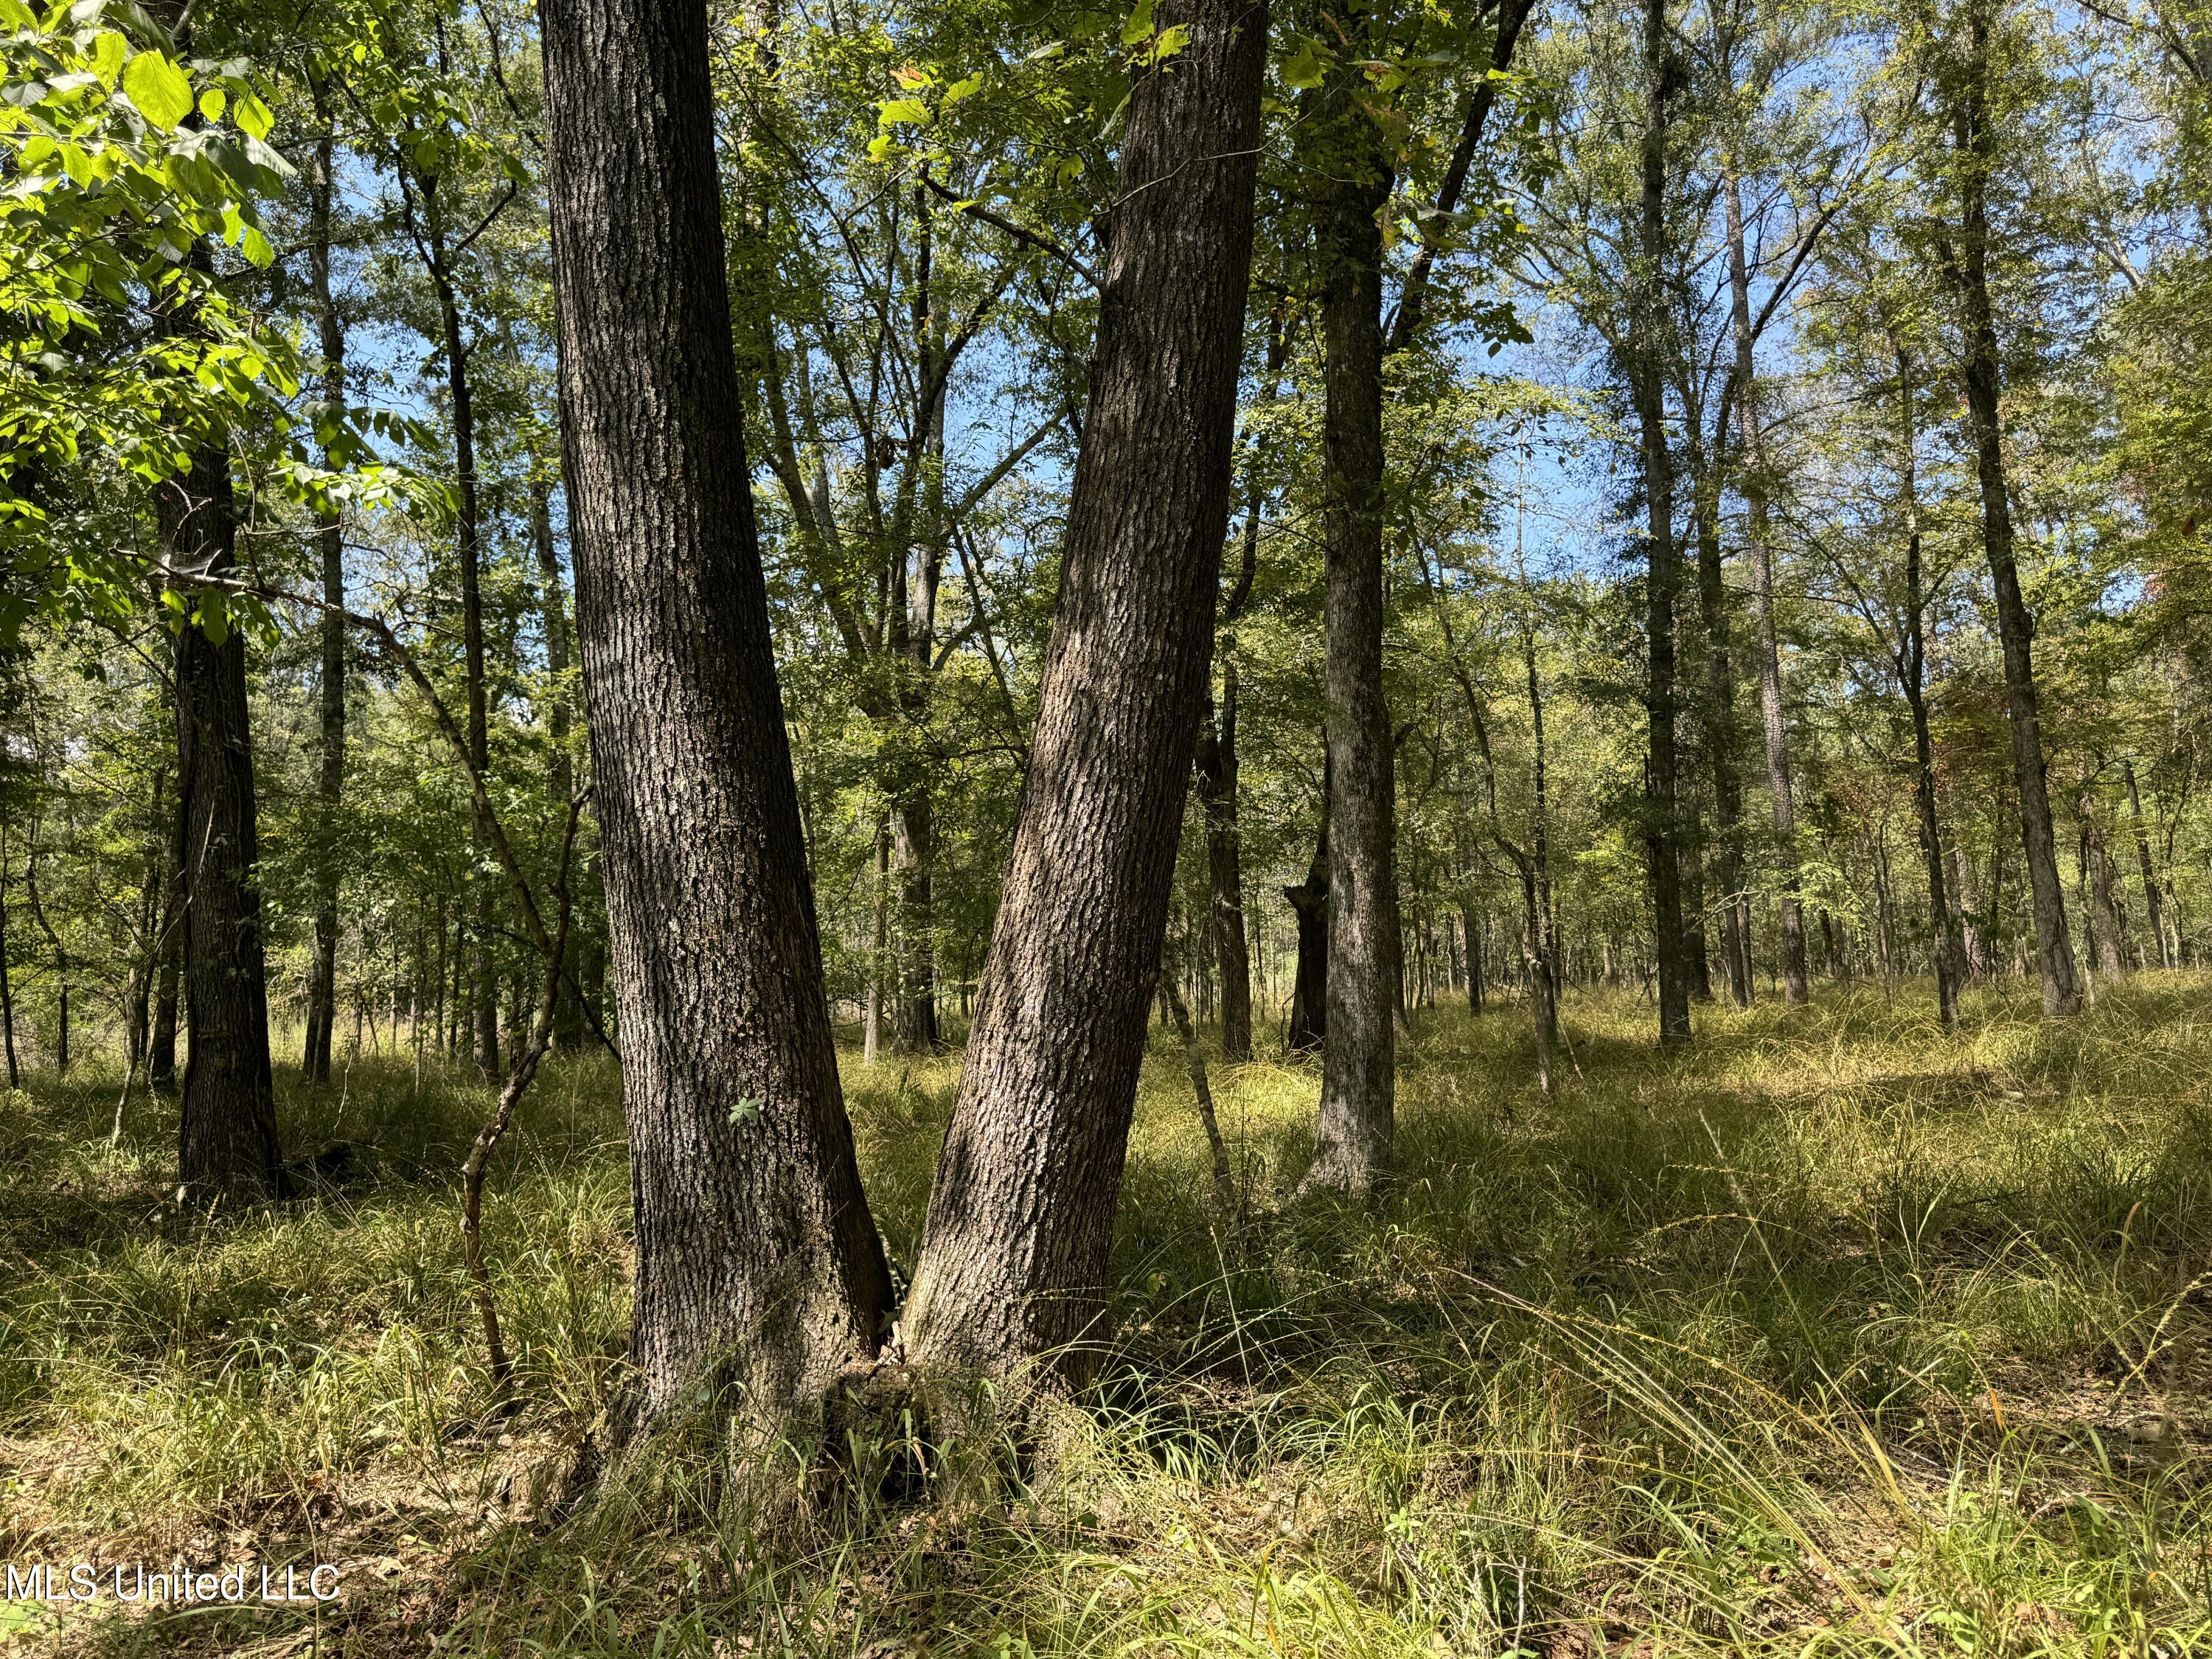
(1835, 1335)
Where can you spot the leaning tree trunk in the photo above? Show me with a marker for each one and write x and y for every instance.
(227, 1137)
(1022, 1210)
(1977, 148)
(1662, 830)
(1349, 165)
(1796, 988)
(756, 1260)
(329, 783)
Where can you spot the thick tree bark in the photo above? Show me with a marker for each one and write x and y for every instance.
(1662, 828)
(329, 783)
(756, 1260)
(227, 1137)
(1348, 164)
(1976, 145)
(1753, 481)
(1021, 1213)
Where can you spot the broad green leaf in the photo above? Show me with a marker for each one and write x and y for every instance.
(159, 89)
(911, 111)
(253, 117)
(1138, 26)
(1304, 71)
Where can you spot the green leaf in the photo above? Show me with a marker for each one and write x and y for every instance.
(911, 111)
(1138, 26)
(159, 89)
(213, 103)
(109, 49)
(255, 246)
(254, 118)
(746, 1111)
(1304, 70)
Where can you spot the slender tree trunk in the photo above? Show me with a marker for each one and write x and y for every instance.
(1217, 789)
(1754, 482)
(1976, 143)
(322, 969)
(1967, 911)
(1021, 1212)
(1306, 1029)
(1471, 924)
(2110, 929)
(2153, 911)
(227, 1137)
(569, 1023)
(1912, 672)
(1662, 829)
(1348, 163)
(880, 944)
(758, 1263)
(1717, 718)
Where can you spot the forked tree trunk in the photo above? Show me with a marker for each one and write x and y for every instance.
(1021, 1213)
(227, 1137)
(758, 1261)
(1976, 144)
(1348, 164)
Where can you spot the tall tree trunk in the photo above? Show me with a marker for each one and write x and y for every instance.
(227, 1137)
(569, 1023)
(1217, 790)
(1717, 713)
(1021, 1212)
(1348, 164)
(468, 547)
(758, 1263)
(878, 944)
(1912, 673)
(1967, 911)
(1976, 143)
(146, 965)
(330, 784)
(1662, 827)
(2154, 911)
(1753, 481)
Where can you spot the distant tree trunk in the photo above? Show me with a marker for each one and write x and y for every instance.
(568, 1022)
(878, 944)
(1217, 790)
(914, 850)
(1663, 830)
(2153, 911)
(1976, 144)
(322, 967)
(1306, 1030)
(1697, 957)
(1968, 912)
(227, 1137)
(1021, 1211)
(1753, 484)
(8, 997)
(1347, 162)
(162, 1046)
(1470, 924)
(1912, 676)
(758, 1263)
(1716, 716)
(2109, 929)
(138, 990)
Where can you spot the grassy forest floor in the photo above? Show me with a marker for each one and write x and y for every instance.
(1837, 1335)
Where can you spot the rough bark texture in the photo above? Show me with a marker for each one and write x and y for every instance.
(330, 782)
(1774, 729)
(1662, 831)
(227, 1137)
(1022, 1210)
(1716, 716)
(1976, 149)
(758, 1263)
(1347, 165)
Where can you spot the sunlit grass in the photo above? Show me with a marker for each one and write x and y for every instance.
(1837, 1335)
